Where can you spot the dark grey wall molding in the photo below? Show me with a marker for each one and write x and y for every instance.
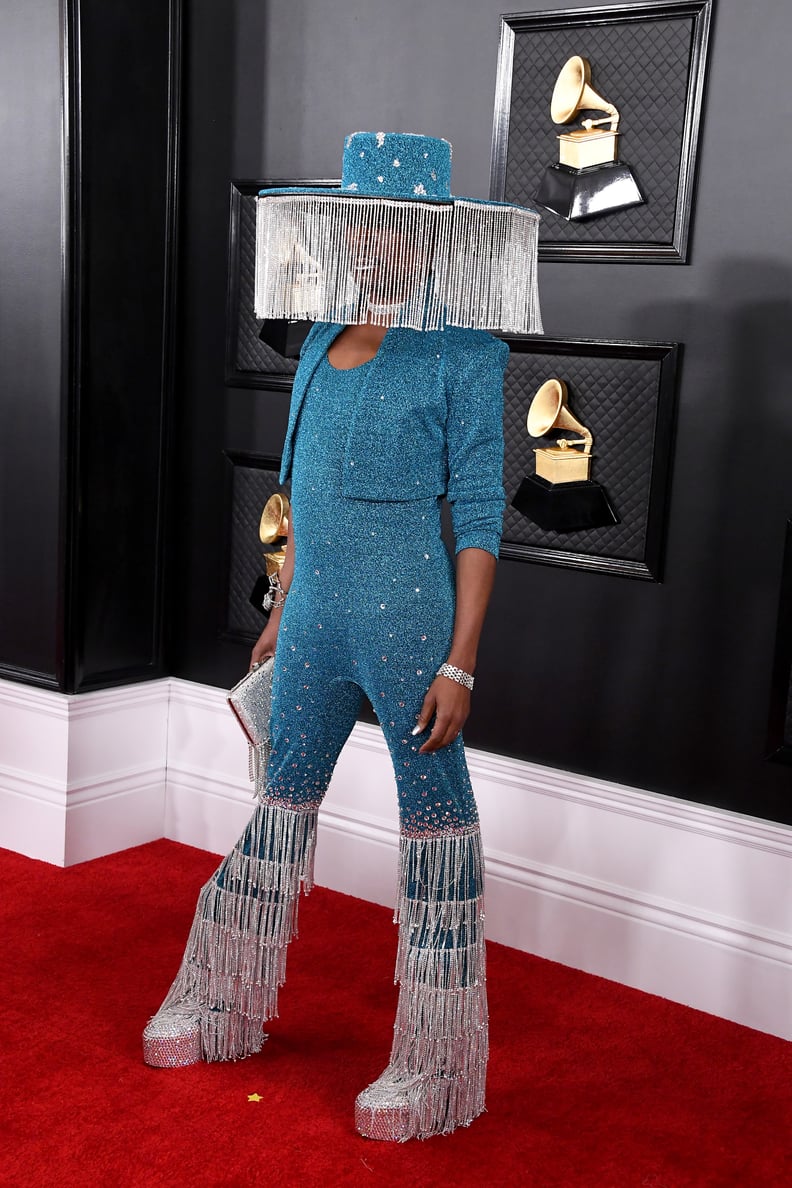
(123, 91)
(30, 337)
(779, 726)
(89, 221)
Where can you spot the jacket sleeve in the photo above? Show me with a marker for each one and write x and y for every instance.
(475, 443)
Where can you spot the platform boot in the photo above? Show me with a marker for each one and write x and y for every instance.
(435, 1079)
(235, 959)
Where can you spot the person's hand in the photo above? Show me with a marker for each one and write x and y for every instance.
(449, 704)
(264, 646)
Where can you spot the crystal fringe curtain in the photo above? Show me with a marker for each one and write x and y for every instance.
(235, 959)
(436, 1076)
(421, 265)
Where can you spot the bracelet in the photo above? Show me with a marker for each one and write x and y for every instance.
(456, 674)
(270, 601)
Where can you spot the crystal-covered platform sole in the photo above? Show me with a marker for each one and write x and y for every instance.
(172, 1039)
(382, 1111)
(184, 1033)
(394, 1109)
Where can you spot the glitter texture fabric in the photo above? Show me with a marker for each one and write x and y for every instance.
(426, 421)
(371, 604)
(397, 164)
(395, 246)
(370, 610)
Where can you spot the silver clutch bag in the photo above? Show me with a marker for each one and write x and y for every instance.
(251, 702)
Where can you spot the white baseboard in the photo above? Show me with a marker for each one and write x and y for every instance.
(82, 776)
(665, 895)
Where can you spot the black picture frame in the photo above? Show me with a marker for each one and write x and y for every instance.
(625, 392)
(779, 726)
(249, 363)
(633, 49)
(250, 480)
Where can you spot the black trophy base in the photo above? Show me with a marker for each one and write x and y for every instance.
(564, 507)
(259, 592)
(284, 337)
(585, 193)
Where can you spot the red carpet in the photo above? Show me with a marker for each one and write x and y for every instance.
(591, 1084)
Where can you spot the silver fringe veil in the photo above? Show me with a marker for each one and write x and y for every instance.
(435, 1079)
(235, 959)
(410, 263)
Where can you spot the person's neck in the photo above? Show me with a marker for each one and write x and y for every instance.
(367, 332)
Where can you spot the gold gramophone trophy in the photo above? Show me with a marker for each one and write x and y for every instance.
(588, 179)
(273, 530)
(561, 496)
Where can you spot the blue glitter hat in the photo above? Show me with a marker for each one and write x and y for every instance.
(393, 245)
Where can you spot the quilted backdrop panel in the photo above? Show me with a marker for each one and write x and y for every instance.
(250, 488)
(617, 399)
(248, 354)
(642, 67)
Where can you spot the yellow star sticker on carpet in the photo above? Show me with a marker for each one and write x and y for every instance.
(255, 1097)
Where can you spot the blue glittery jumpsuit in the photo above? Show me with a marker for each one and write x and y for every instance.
(371, 605)
(371, 451)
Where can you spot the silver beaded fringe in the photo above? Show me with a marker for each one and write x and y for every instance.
(435, 1079)
(457, 263)
(258, 762)
(235, 959)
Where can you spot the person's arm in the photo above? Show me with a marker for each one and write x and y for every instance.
(475, 577)
(476, 497)
(447, 701)
(264, 646)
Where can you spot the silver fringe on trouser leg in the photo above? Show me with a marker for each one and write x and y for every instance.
(436, 1076)
(235, 959)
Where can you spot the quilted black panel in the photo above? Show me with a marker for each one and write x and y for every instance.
(617, 399)
(251, 487)
(643, 67)
(249, 353)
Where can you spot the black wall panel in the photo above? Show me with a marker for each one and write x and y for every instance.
(30, 337)
(124, 94)
(90, 100)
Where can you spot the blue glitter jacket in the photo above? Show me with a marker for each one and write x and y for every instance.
(429, 423)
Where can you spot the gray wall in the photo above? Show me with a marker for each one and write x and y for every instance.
(30, 333)
(670, 683)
